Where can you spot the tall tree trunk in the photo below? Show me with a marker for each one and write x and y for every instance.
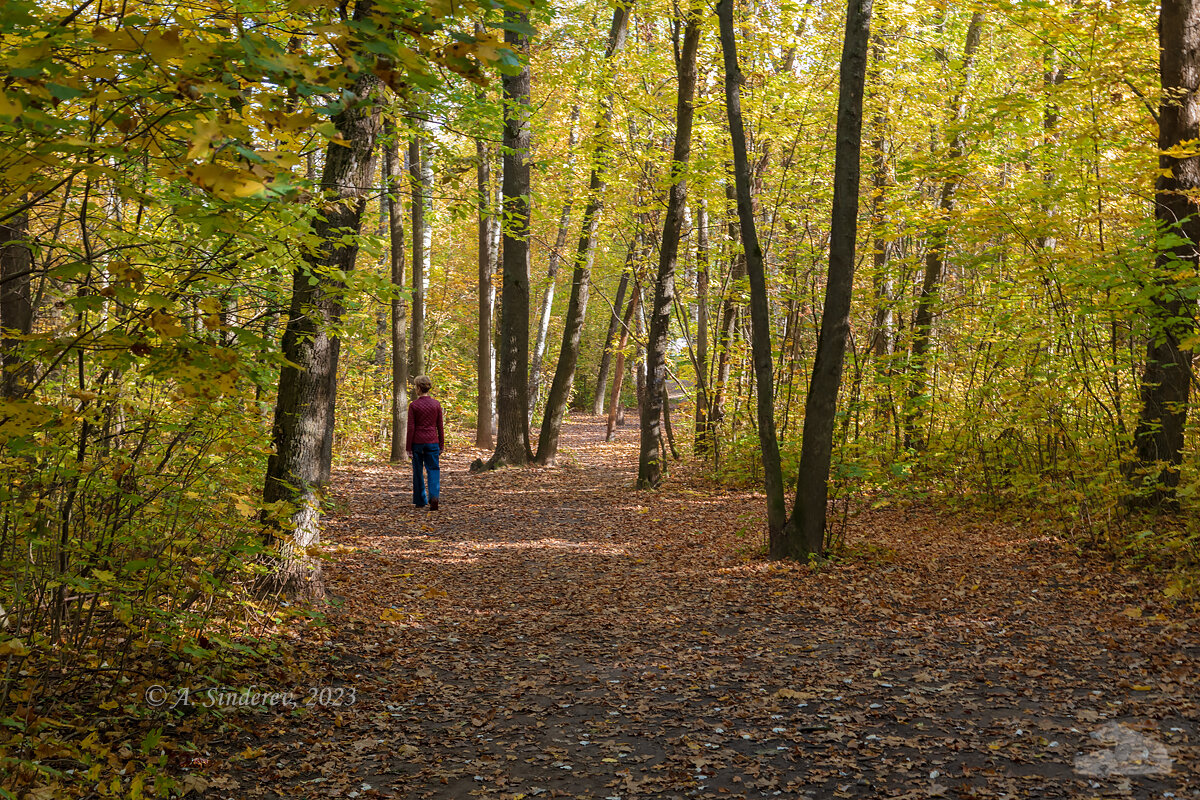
(568, 356)
(614, 323)
(512, 440)
(304, 414)
(1166, 379)
(650, 464)
(881, 327)
(394, 172)
(805, 530)
(619, 369)
(935, 251)
(703, 432)
(421, 178)
(760, 310)
(485, 356)
(16, 303)
(560, 244)
(729, 306)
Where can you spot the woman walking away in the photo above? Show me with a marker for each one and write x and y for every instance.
(425, 442)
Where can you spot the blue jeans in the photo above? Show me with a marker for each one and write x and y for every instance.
(425, 459)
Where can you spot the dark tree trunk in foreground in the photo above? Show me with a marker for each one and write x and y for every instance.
(16, 303)
(307, 383)
(650, 464)
(760, 311)
(935, 250)
(568, 356)
(1166, 381)
(393, 170)
(512, 439)
(805, 530)
(421, 173)
(485, 362)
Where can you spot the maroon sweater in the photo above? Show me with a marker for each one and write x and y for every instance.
(425, 423)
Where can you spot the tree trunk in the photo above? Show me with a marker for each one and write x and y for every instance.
(614, 323)
(760, 310)
(421, 178)
(619, 370)
(16, 304)
(650, 465)
(485, 360)
(703, 432)
(805, 530)
(568, 357)
(935, 252)
(560, 244)
(304, 415)
(512, 440)
(393, 170)
(1166, 379)
(729, 307)
(881, 328)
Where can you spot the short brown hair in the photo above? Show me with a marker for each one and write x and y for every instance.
(422, 383)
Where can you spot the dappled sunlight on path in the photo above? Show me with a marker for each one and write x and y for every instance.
(554, 633)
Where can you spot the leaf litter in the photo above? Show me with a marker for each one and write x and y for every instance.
(554, 633)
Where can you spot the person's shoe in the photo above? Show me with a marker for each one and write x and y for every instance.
(421, 508)
(433, 505)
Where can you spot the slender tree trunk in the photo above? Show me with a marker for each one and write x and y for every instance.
(760, 310)
(619, 370)
(16, 303)
(560, 244)
(935, 252)
(304, 414)
(650, 465)
(881, 328)
(1166, 379)
(729, 306)
(613, 324)
(485, 356)
(568, 357)
(421, 172)
(394, 172)
(805, 530)
(703, 432)
(512, 440)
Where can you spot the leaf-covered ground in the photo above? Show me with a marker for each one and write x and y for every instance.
(553, 633)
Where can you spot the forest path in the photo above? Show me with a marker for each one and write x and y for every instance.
(553, 633)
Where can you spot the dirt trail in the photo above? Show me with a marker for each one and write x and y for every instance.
(553, 633)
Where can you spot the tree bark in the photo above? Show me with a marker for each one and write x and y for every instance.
(703, 432)
(421, 178)
(485, 361)
(729, 307)
(651, 466)
(16, 304)
(614, 323)
(619, 370)
(393, 170)
(805, 530)
(568, 356)
(304, 415)
(1167, 376)
(760, 310)
(560, 244)
(512, 440)
(935, 252)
